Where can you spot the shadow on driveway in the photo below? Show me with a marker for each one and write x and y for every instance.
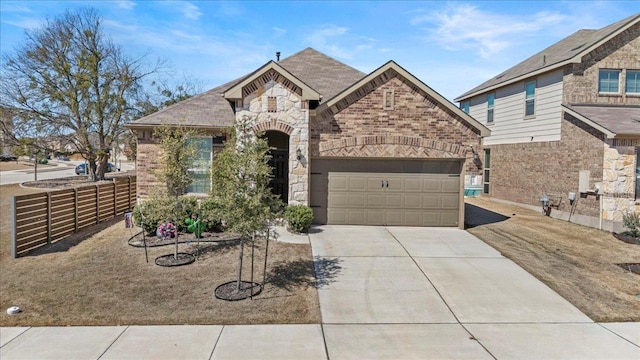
(476, 216)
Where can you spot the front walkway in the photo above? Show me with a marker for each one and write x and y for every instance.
(394, 293)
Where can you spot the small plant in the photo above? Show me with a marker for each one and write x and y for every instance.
(299, 218)
(155, 211)
(631, 221)
(166, 231)
(211, 212)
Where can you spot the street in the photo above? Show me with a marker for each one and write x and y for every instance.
(63, 169)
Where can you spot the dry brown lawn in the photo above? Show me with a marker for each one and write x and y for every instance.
(101, 280)
(14, 165)
(576, 261)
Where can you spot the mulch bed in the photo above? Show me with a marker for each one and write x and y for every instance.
(206, 237)
(170, 260)
(628, 238)
(632, 267)
(229, 291)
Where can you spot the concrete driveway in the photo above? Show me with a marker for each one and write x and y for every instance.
(442, 293)
(385, 293)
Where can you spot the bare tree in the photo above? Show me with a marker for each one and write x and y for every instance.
(71, 82)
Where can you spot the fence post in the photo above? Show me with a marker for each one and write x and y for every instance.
(115, 198)
(97, 203)
(14, 238)
(75, 204)
(48, 217)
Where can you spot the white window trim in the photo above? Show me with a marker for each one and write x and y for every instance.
(535, 94)
(619, 85)
(625, 82)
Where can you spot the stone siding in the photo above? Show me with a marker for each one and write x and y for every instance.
(522, 173)
(415, 126)
(581, 80)
(291, 117)
(619, 178)
(148, 161)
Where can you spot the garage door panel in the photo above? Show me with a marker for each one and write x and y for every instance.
(449, 218)
(409, 200)
(449, 201)
(393, 201)
(431, 185)
(375, 200)
(451, 184)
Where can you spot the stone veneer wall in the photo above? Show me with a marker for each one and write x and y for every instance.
(619, 178)
(522, 172)
(581, 80)
(416, 127)
(292, 118)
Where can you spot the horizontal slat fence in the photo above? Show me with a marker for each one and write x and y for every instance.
(48, 217)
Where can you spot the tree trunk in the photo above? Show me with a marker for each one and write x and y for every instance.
(240, 267)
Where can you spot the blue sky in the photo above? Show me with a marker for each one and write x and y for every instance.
(451, 46)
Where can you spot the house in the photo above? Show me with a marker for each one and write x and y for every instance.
(565, 123)
(379, 149)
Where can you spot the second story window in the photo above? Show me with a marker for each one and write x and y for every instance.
(632, 83)
(609, 81)
(465, 107)
(490, 100)
(530, 98)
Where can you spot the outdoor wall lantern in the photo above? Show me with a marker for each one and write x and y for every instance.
(299, 154)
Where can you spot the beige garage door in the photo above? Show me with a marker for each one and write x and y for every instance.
(393, 199)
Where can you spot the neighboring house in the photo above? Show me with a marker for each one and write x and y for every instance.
(380, 148)
(567, 120)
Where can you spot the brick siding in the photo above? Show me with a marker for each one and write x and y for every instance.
(416, 127)
(581, 80)
(523, 172)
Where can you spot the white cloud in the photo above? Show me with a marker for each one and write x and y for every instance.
(126, 4)
(278, 32)
(336, 41)
(190, 11)
(26, 23)
(464, 26)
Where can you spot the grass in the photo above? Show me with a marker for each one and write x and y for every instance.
(577, 262)
(101, 280)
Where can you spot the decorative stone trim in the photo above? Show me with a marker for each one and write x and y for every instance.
(273, 124)
(456, 150)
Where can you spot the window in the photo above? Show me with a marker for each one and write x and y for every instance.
(609, 81)
(632, 83)
(530, 98)
(465, 107)
(490, 100)
(200, 169)
(487, 170)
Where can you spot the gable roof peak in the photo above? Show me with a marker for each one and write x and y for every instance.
(566, 51)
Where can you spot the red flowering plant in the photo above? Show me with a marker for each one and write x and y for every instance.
(166, 231)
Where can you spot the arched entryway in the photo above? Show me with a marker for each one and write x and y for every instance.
(279, 144)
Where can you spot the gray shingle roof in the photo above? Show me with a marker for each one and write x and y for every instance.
(325, 75)
(577, 44)
(618, 119)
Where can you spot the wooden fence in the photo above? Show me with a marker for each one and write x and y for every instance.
(48, 217)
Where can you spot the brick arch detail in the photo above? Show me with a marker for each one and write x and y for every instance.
(273, 124)
(444, 148)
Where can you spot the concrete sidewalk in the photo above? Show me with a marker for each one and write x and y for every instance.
(385, 293)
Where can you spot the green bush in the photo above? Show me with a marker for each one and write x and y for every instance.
(158, 210)
(211, 213)
(299, 218)
(631, 220)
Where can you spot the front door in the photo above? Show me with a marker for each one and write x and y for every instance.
(280, 181)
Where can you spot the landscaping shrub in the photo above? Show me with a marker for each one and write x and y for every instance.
(299, 218)
(161, 209)
(211, 213)
(631, 221)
